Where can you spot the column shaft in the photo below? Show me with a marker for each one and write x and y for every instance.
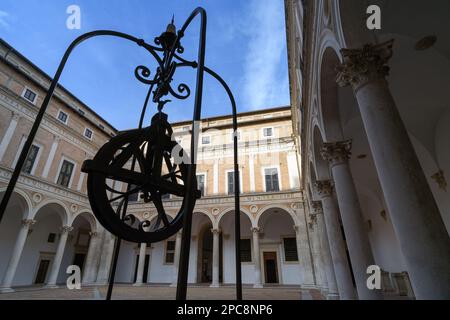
(215, 267)
(177, 259)
(15, 256)
(56, 265)
(141, 264)
(328, 264)
(304, 256)
(90, 267)
(255, 238)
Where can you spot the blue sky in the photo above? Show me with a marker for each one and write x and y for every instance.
(246, 45)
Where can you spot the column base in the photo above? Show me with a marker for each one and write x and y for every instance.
(333, 296)
(138, 284)
(257, 286)
(173, 285)
(51, 286)
(308, 286)
(6, 290)
(214, 285)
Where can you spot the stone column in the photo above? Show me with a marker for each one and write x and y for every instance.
(336, 241)
(107, 249)
(321, 279)
(333, 293)
(216, 255)
(8, 134)
(416, 219)
(177, 259)
(337, 154)
(16, 254)
(256, 257)
(304, 255)
(141, 264)
(90, 267)
(56, 264)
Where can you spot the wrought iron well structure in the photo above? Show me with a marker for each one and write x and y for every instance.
(136, 156)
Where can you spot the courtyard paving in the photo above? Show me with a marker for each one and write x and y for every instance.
(153, 292)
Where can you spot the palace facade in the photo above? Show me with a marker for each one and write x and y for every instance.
(49, 224)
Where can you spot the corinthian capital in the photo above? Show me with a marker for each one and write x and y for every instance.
(28, 222)
(316, 207)
(336, 152)
(363, 65)
(324, 188)
(66, 229)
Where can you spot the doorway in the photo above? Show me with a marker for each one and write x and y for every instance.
(270, 267)
(41, 275)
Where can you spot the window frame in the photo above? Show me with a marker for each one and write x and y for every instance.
(166, 251)
(36, 161)
(263, 175)
(251, 251)
(209, 140)
(67, 118)
(32, 91)
(58, 172)
(284, 249)
(92, 133)
(206, 182)
(268, 137)
(226, 181)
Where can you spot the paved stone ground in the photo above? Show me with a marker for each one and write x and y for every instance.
(153, 292)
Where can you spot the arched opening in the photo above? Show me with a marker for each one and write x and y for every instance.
(278, 247)
(42, 245)
(17, 210)
(228, 248)
(205, 252)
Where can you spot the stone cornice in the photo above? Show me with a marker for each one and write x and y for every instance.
(29, 111)
(52, 190)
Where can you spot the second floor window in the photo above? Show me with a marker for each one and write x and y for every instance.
(246, 250)
(267, 132)
(88, 133)
(65, 174)
(230, 182)
(29, 95)
(206, 140)
(170, 251)
(201, 184)
(271, 179)
(31, 159)
(62, 116)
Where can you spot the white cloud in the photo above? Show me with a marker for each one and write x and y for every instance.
(265, 78)
(3, 19)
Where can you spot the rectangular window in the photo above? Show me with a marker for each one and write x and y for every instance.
(31, 159)
(65, 173)
(268, 132)
(230, 182)
(206, 140)
(246, 250)
(88, 133)
(201, 184)
(62, 116)
(170, 251)
(81, 112)
(290, 249)
(271, 178)
(51, 238)
(238, 134)
(29, 95)
(101, 126)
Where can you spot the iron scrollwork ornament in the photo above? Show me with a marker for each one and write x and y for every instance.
(146, 160)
